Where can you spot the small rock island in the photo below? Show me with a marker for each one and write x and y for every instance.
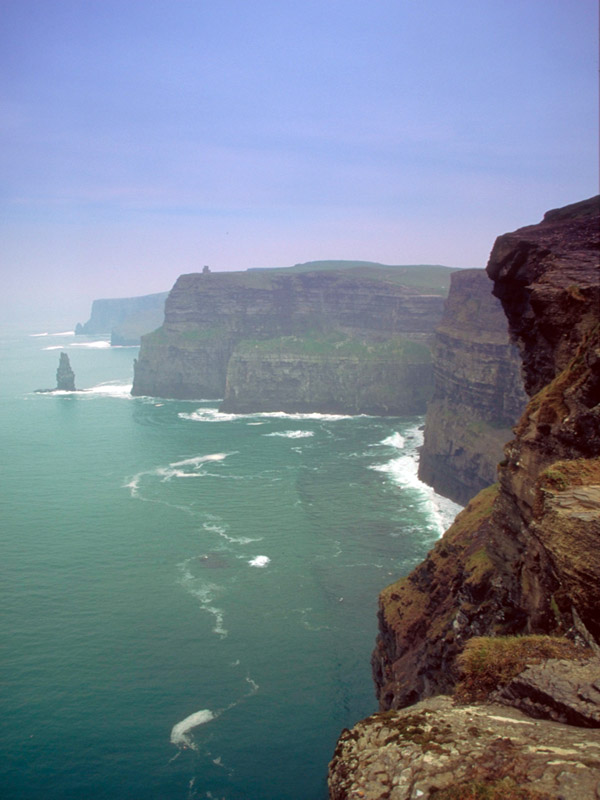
(65, 377)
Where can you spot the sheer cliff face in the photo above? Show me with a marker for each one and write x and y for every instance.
(204, 348)
(524, 556)
(478, 392)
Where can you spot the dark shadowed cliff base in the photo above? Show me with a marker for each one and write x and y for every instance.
(348, 341)
(522, 558)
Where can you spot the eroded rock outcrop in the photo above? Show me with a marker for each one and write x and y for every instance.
(438, 750)
(524, 555)
(65, 377)
(478, 394)
(321, 341)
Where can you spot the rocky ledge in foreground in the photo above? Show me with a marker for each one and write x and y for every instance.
(524, 555)
(440, 751)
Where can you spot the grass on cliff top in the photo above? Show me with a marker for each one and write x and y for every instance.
(578, 472)
(489, 662)
(425, 278)
(335, 343)
(505, 789)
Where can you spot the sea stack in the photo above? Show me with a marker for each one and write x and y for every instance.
(65, 377)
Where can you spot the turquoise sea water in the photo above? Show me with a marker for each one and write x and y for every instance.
(188, 598)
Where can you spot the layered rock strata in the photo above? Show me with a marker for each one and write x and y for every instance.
(441, 751)
(307, 341)
(478, 392)
(524, 555)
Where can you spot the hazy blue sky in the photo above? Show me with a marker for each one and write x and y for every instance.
(146, 138)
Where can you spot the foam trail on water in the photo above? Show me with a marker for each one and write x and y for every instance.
(205, 593)
(180, 731)
(291, 434)
(60, 333)
(403, 471)
(222, 532)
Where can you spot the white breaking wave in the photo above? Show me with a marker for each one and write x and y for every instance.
(195, 461)
(214, 415)
(52, 346)
(403, 471)
(291, 434)
(180, 731)
(110, 389)
(259, 561)
(395, 440)
(60, 333)
(100, 344)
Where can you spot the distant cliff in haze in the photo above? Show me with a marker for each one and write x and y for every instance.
(126, 319)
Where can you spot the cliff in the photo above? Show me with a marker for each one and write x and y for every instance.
(329, 374)
(327, 340)
(478, 392)
(126, 319)
(522, 558)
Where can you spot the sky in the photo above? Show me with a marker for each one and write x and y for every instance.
(143, 139)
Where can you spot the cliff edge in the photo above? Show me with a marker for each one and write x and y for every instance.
(524, 556)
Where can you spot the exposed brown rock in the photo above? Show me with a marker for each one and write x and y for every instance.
(519, 559)
(546, 276)
(564, 691)
(435, 746)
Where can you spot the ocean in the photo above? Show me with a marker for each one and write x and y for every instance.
(188, 597)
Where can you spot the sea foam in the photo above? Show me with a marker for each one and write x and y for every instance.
(60, 333)
(259, 561)
(99, 344)
(403, 471)
(180, 731)
(214, 415)
(291, 434)
(395, 440)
